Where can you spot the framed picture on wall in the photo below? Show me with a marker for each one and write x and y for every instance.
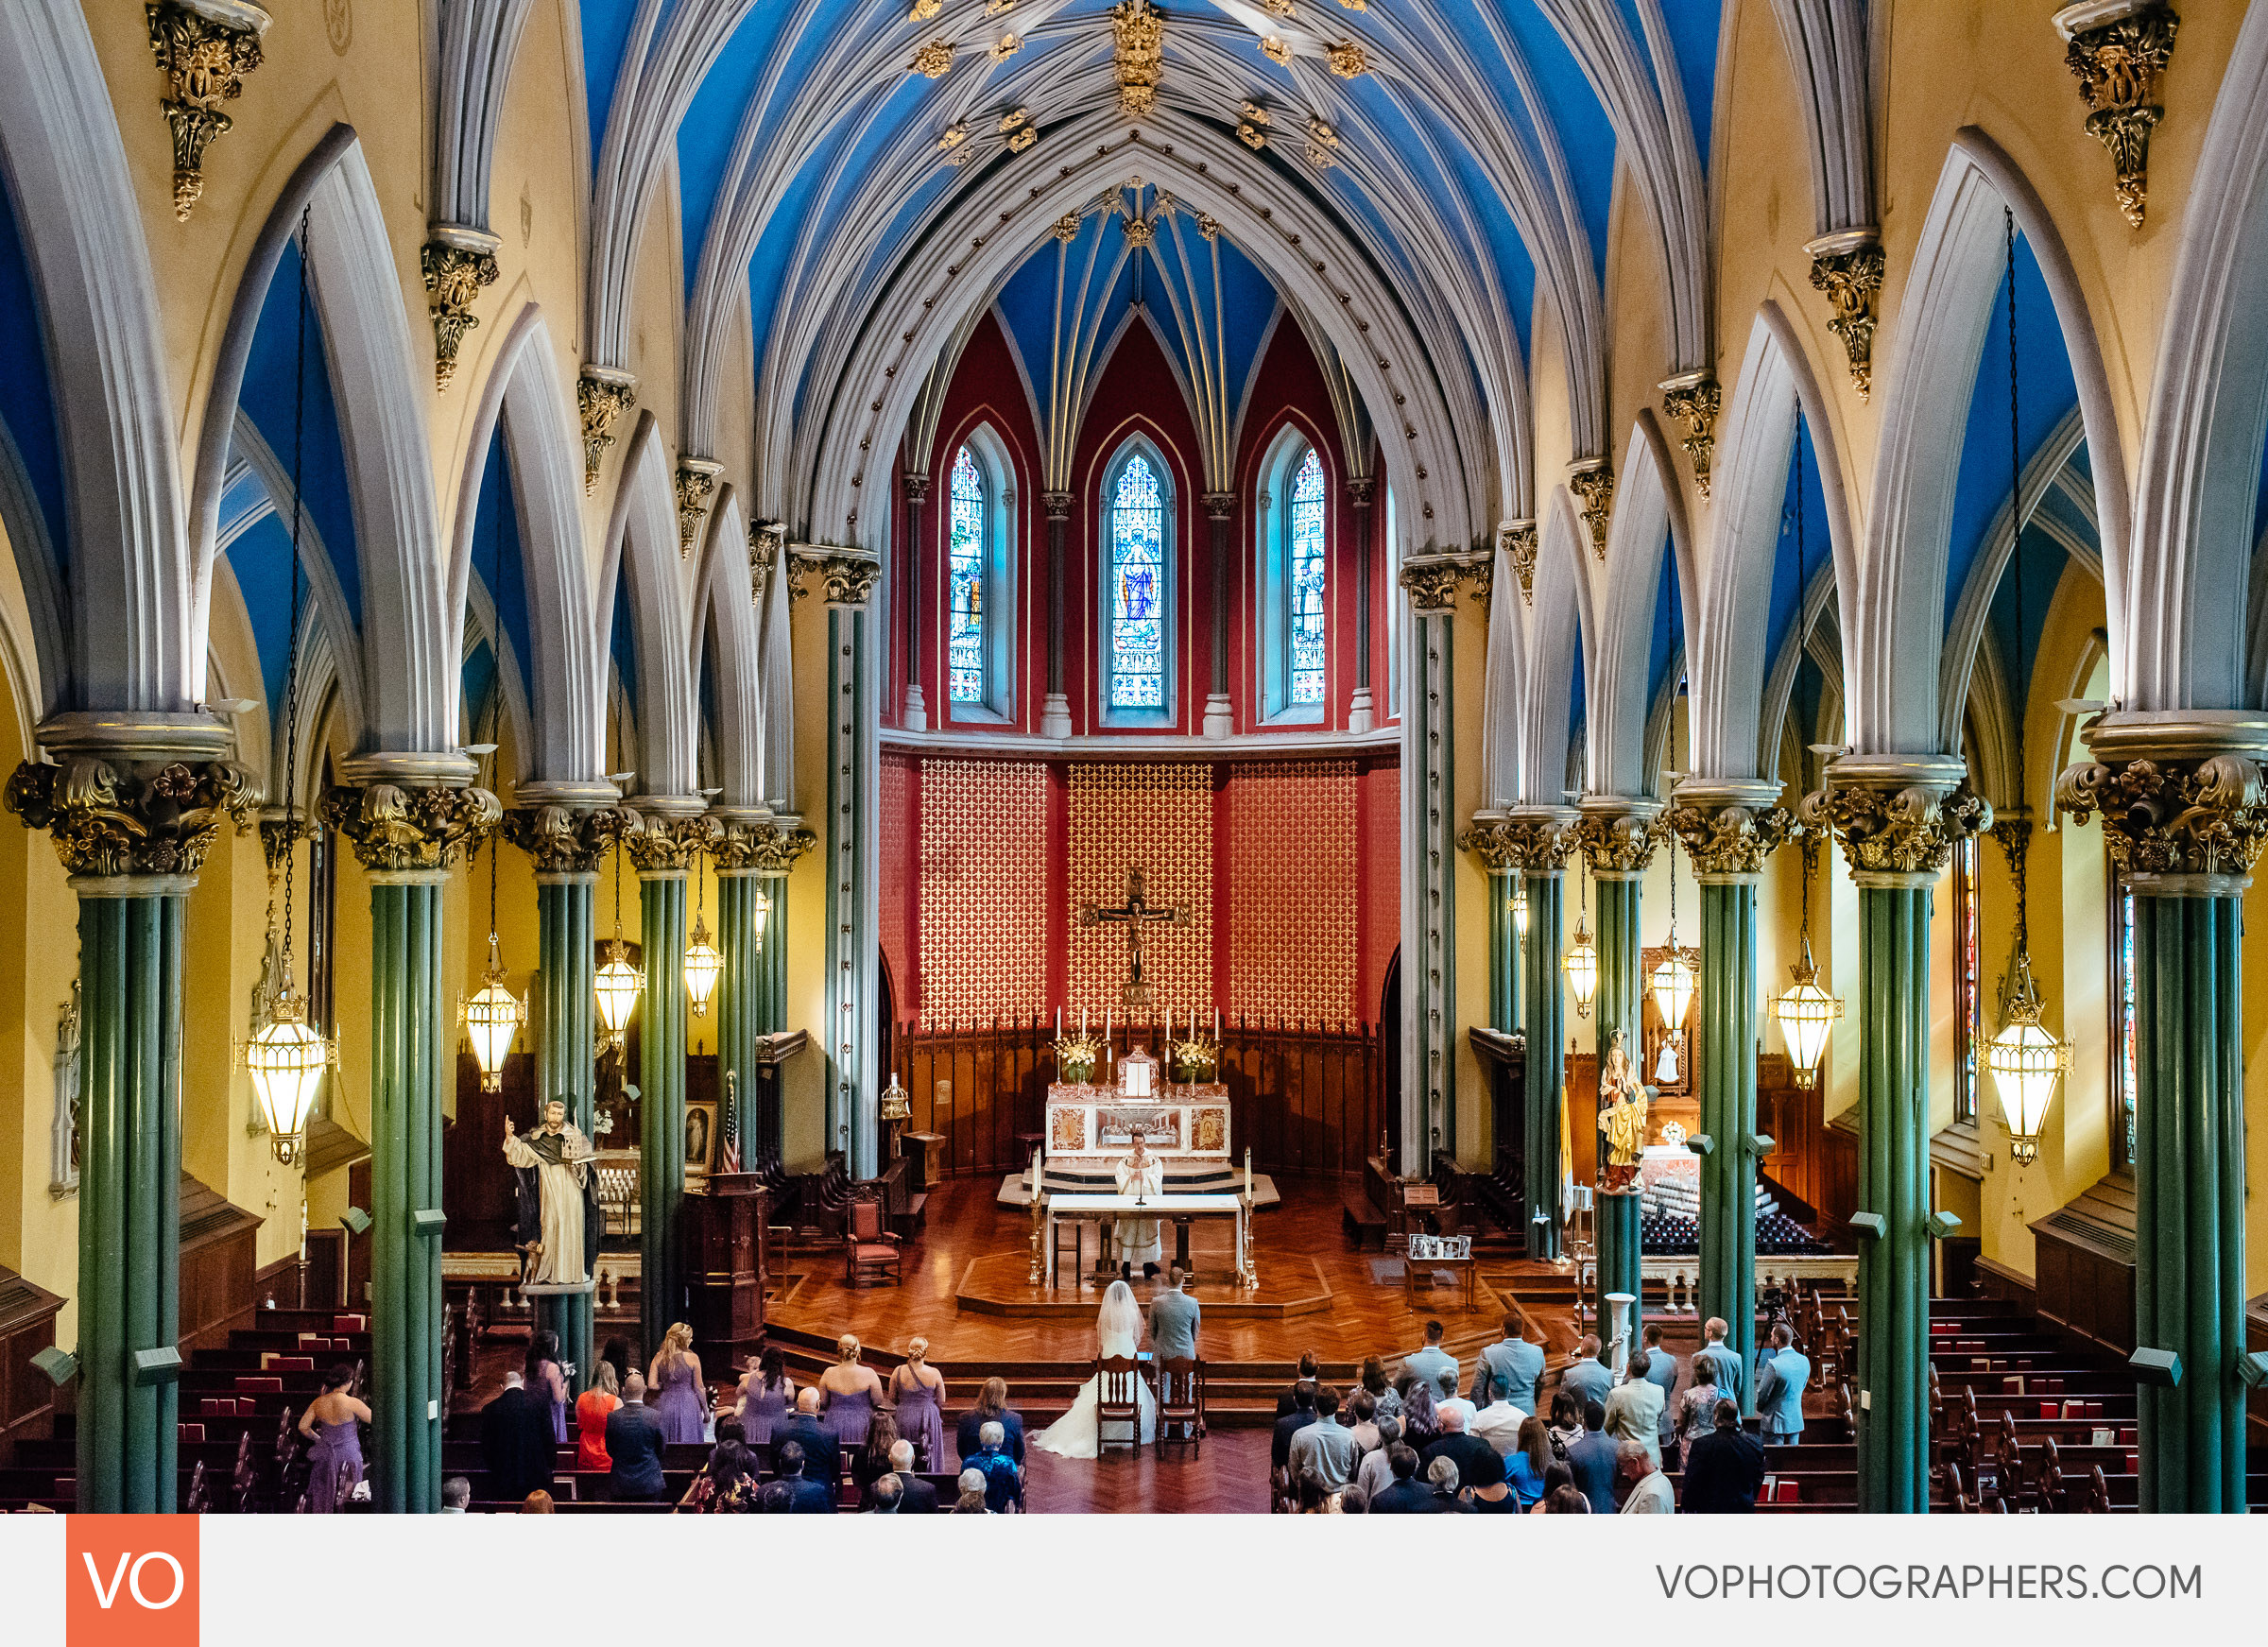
(700, 1138)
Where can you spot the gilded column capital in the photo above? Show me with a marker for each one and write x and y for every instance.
(1729, 829)
(1896, 815)
(1693, 398)
(204, 48)
(1518, 540)
(1432, 584)
(916, 485)
(770, 846)
(1219, 505)
(1057, 503)
(111, 817)
(849, 576)
(1360, 489)
(1848, 267)
(1542, 836)
(602, 394)
(1618, 833)
(2119, 49)
(457, 262)
(664, 843)
(566, 839)
(1491, 838)
(765, 540)
(1593, 482)
(697, 485)
(400, 829)
(2175, 825)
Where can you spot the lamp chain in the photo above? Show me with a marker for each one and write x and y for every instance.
(291, 655)
(1810, 851)
(2016, 553)
(496, 674)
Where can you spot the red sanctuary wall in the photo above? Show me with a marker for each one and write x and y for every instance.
(1289, 871)
(1138, 392)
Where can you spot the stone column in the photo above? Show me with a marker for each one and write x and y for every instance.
(2185, 810)
(1054, 710)
(1220, 512)
(568, 830)
(752, 856)
(1543, 838)
(1489, 840)
(1362, 713)
(1730, 827)
(853, 910)
(1618, 835)
(666, 841)
(133, 806)
(1429, 1080)
(917, 493)
(1899, 818)
(408, 830)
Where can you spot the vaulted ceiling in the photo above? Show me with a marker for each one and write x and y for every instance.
(1456, 157)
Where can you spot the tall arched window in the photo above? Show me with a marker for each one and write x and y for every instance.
(1293, 622)
(1308, 632)
(1138, 594)
(965, 572)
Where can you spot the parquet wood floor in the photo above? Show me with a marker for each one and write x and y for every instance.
(965, 1222)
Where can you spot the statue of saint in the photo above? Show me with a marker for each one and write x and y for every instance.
(1622, 1118)
(558, 1192)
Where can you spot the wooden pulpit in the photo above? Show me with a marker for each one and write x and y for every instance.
(725, 1267)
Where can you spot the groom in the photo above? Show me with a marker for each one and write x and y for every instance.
(1173, 1328)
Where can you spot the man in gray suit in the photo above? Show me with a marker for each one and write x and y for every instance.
(1507, 1371)
(1732, 1377)
(1173, 1320)
(1431, 1360)
(1591, 1379)
(1779, 1383)
(1661, 1369)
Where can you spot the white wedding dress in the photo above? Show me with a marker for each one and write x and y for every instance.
(1117, 1333)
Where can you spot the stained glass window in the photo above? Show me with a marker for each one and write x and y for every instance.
(1138, 588)
(1306, 568)
(1969, 1028)
(2122, 1063)
(965, 641)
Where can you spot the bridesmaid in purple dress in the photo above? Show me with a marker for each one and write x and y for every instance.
(547, 1380)
(917, 1391)
(767, 1394)
(682, 1405)
(848, 1394)
(335, 1457)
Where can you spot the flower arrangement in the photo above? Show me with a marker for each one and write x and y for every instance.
(1075, 1056)
(1196, 1059)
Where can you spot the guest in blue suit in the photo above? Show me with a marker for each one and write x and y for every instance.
(1732, 1377)
(1508, 1370)
(1433, 1361)
(1590, 1379)
(1779, 1385)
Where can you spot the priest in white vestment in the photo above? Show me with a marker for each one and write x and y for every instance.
(1140, 1173)
(558, 1156)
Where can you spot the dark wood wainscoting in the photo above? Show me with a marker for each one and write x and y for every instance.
(27, 1400)
(219, 1259)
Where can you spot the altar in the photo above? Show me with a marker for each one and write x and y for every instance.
(1090, 1126)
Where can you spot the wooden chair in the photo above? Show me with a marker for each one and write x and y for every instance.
(869, 1250)
(1118, 1400)
(1181, 1404)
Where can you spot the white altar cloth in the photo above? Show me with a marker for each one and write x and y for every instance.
(1108, 1208)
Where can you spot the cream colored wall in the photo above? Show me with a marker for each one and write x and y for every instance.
(803, 1142)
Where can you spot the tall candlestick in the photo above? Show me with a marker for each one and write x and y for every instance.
(1247, 1172)
(1058, 1023)
(1034, 1175)
(1217, 1023)
(1082, 1022)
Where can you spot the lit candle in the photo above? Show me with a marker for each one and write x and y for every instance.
(1106, 1031)
(1058, 1023)
(1217, 1023)
(1169, 1027)
(1082, 1021)
(1036, 1174)
(1247, 1172)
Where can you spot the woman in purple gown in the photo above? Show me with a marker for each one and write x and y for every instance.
(767, 1394)
(547, 1380)
(334, 1453)
(677, 1374)
(917, 1391)
(848, 1393)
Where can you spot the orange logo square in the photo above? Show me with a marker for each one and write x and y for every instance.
(131, 1580)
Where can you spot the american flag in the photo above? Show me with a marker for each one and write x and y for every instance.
(729, 1151)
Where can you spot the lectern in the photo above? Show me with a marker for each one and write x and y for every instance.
(725, 1267)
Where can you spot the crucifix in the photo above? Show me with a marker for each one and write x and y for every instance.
(1135, 914)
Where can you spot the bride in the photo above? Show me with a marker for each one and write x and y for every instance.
(1117, 1333)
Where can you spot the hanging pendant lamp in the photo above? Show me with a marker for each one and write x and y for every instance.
(1520, 907)
(618, 984)
(703, 965)
(287, 1058)
(2026, 1061)
(1581, 962)
(1672, 980)
(492, 1018)
(1806, 1013)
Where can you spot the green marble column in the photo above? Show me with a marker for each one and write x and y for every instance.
(739, 998)
(129, 958)
(2184, 826)
(853, 953)
(1504, 951)
(132, 819)
(1543, 839)
(1618, 836)
(1729, 828)
(408, 839)
(661, 1103)
(1898, 819)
